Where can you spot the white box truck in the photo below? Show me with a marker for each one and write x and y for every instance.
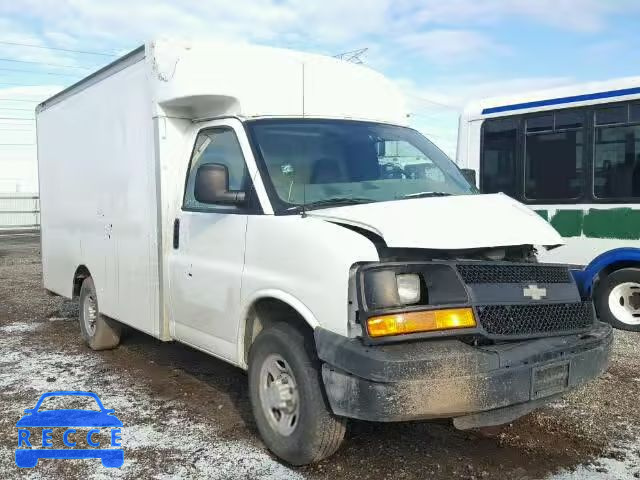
(271, 208)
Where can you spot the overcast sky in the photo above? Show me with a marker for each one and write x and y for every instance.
(443, 52)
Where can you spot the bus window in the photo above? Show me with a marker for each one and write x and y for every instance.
(553, 165)
(634, 112)
(498, 171)
(617, 162)
(569, 119)
(540, 123)
(611, 115)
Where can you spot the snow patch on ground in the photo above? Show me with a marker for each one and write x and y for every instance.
(606, 468)
(151, 426)
(20, 327)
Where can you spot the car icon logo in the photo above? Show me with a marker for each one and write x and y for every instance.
(27, 454)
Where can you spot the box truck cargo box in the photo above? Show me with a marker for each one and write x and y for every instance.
(271, 208)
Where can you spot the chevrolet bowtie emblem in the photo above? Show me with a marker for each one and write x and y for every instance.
(534, 292)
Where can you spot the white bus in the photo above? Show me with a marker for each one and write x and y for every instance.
(572, 154)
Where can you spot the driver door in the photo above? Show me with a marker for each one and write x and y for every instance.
(209, 244)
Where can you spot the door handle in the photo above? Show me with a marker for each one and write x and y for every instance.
(176, 233)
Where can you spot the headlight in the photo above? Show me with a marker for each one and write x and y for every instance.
(408, 288)
(399, 298)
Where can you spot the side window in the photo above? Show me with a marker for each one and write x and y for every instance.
(554, 151)
(498, 170)
(616, 165)
(216, 146)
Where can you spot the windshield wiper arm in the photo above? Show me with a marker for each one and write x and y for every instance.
(333, 201)
(427, 194)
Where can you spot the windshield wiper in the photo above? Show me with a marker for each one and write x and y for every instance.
(427, 194)
(333, 201)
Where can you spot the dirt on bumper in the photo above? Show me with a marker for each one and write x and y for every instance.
(448, 378)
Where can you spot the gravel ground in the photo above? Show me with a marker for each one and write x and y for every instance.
(187, 415)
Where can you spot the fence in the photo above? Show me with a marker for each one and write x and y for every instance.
(19, 211)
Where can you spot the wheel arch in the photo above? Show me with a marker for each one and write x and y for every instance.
(268, 307)
(79, 275)
(603, 265)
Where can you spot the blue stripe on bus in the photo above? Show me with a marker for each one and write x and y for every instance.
(560, 101)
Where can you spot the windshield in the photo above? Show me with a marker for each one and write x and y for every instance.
(322, 163)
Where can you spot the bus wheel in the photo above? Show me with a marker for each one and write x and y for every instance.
(617, 299)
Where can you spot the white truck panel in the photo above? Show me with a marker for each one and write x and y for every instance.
(207, 79)
(97, 185)
(298, 276)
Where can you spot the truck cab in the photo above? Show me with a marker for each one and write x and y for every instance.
(295, 227)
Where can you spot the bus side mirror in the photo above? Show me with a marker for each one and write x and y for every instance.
(212, 186)
(469, 175)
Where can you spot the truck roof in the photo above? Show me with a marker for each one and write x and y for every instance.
(204, 79)
(625, 88)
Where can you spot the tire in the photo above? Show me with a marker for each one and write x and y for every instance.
(315, 433)
(617, 299)
(100, 332)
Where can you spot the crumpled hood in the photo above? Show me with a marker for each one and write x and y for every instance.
(448, 223)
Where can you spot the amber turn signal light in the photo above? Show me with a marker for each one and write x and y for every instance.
(425, 321)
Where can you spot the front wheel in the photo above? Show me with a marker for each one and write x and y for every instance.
(617, 299)
(289, 405)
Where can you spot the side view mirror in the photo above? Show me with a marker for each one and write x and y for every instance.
(469, 175)
(212, 185)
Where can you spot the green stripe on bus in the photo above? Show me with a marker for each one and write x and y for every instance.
(543, 213)
(610, 223)
(568, 223)
(623, 223)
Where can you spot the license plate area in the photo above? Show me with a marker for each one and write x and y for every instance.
(549, 380)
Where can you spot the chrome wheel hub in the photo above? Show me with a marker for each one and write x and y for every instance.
(279, 395)
(90, 313)
(624, 303)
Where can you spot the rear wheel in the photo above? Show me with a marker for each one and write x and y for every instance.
(287, 396)
(617, 299)
(98, 331)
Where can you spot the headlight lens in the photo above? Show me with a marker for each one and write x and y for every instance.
(408, 288)
(426, 321)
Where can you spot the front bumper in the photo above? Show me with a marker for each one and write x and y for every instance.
(477, 386)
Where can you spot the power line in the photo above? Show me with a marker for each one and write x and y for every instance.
(85, 52)
(17, 144)
(433, 102)
(429, 134)
(431, 115)
(38, 73)
(16, 118)
(43, 63)
(21, 84)
(17, 109)
(19, 100)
